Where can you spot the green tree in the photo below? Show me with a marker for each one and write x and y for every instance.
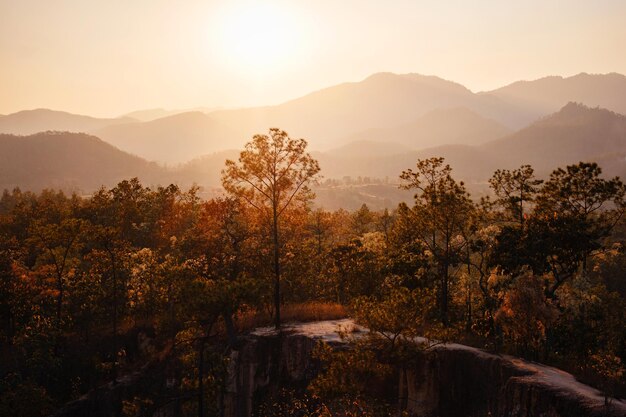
(362, 220)
(514, 189)
(272, 173)
(575, 211)
(441, 215)
(58, 242)
(526, 314)
(226, 254)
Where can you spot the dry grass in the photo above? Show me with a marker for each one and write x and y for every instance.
(302, 312)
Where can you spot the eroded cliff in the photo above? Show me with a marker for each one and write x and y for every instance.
(446, 381)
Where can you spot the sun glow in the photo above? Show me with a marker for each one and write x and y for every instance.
(258, 38)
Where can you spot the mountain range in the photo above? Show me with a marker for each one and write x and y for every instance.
(420, 110)
(374, 128)
(69, 161)
(27, 122)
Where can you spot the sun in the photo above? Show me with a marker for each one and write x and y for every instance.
(258, 37)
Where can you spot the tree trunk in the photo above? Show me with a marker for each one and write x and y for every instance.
(468, 303)
(114, 302)
(444, 282)
(444, 295)
(276, 270)
(200, 379)
(230, 326)
(60, 301)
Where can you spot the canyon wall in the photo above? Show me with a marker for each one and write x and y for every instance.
(447, 381)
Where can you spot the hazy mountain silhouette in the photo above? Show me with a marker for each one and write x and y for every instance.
(479, 163)
(150, 114)
(574, 133)
(405, 106)
(370, 126)
(173, 139)
(439, 127)
(382, 100)
(204, 170)
(157, 113)
(369, 148)
(547, 95)
(69, 161)
(27, 122)
(415, 110)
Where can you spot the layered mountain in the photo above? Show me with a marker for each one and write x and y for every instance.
(575, 133)
(151, 114)
(382, 100)
(147, 115)
(69, 161)
(547, 95)
(366, 148)
(326, 117)
(413, 110)
(204, 170)
(28, 122)
(373, 129)
(174, 139)
(82, 162)
(439, 127)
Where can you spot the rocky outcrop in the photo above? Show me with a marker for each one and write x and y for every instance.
(456, 380)
(150, 381)
(262, 366)
(446, 381)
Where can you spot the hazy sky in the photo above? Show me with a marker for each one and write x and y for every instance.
(106, 58)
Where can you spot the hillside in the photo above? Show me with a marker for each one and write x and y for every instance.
(28, 122)
(548, 94)
(574, 133)
(459, 126)
(147, 115)
(328, 118)
(69, 161)
(410, 109)
(150, 114)
(204, 170)
(367, 148)
(382, 100)
(173, 139)
(415, 110)
(85, 162)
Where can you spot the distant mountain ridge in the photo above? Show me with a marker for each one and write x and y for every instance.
(84, 162)
(68, 161)
(448, 126)
(173, 139)
(413, 110)
(148, 115)
(550, 93)
(27, 122)
(382, 100)
(576, 132)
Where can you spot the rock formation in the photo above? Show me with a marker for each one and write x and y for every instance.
(449, 380)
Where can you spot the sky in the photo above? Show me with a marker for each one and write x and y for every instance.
(107, 58)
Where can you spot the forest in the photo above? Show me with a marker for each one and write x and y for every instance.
(93, 288)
